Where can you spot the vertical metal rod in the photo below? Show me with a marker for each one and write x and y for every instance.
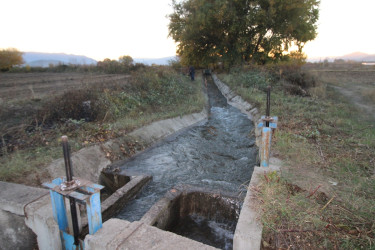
(67, 160)
(73, 212)
(69, 177)
(268, 105)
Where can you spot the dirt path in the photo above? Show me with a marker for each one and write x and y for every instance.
(356, 98)
(357, 86)
(354, 95)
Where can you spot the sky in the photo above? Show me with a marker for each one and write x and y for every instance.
(139, 28)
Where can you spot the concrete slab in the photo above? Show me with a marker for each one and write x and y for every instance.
(120, 234)
(14, 197)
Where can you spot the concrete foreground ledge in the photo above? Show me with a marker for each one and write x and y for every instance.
(14, 197)
(248, 234)
(121, 234)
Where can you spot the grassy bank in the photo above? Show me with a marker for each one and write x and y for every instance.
(90, 114)
(325, 196)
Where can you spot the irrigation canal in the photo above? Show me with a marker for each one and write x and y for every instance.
(218, 154)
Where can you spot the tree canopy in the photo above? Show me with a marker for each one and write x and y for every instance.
(237, 31)
(9, 58)
(123, 65)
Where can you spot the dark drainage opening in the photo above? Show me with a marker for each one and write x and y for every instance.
(213, 232)
(206, 216)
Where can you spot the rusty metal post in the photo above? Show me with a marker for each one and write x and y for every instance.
(268, 109)
(268, 123)
(266, 146)
(69, 180)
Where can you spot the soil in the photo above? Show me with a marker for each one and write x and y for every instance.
(34, 86)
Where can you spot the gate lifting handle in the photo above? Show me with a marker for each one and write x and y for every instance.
(69, 182)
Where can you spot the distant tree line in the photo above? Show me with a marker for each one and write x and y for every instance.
(11, 61)
(125, 64)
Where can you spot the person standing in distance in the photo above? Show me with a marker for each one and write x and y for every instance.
(192, 72)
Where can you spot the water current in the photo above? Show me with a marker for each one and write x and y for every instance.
(218, 154)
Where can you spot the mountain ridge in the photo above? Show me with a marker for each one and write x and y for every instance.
(354, 56)
(42, 59)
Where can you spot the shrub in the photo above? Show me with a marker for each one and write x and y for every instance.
(76, 105)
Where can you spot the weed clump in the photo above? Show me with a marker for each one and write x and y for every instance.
(77, 105)
(294, 80)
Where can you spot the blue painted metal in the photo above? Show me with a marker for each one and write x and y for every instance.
(94, 213)
(88, 193)
(272, 124)
(58, 207)
(266, 146)
(67, 241)
(80, 197)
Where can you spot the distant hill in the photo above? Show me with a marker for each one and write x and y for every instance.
(38, 59)
(358, 56)
(355, 56)
(159, 61)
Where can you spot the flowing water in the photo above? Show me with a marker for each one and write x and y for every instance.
(210, 232)
(218, 155)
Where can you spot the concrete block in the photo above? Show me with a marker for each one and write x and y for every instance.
(40, 219)
(14, 197)
(110, 230)
(14, 234)
(120, 234)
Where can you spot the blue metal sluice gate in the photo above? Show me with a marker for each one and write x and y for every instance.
(76, 190)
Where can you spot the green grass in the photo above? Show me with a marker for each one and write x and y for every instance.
(321, 138)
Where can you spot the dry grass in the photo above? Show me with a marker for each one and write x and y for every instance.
(299, 219)
(324, 141)
(369, 94)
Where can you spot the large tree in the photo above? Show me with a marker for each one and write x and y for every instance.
(10, 58)
(234, 31)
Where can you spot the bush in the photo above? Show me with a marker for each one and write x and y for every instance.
(76, 105)
(293, 79)
(157, 86)
(252, 78)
